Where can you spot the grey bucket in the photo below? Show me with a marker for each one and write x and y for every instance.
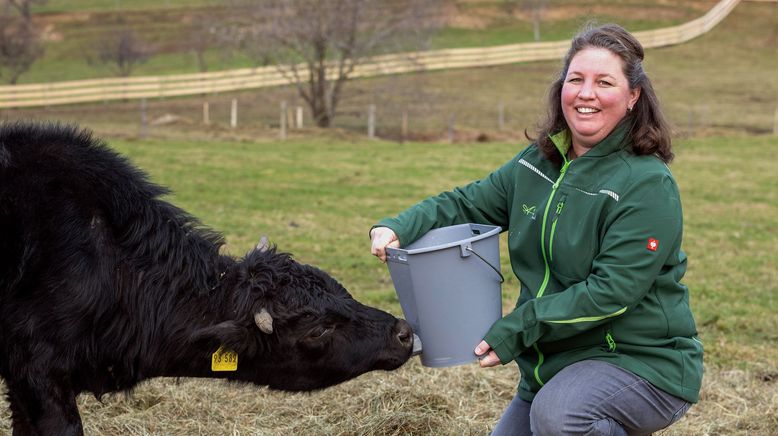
(449, 286)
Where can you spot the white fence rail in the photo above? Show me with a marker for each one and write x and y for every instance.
(81, 91)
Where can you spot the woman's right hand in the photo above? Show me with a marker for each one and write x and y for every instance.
(381, 238)
(486, 356)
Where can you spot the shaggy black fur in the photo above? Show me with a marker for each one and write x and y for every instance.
(103, 285)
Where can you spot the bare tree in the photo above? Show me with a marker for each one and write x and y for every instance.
(23, 7)
(20, 47)
(318, 43)
(509, 6)
(536, 9)
(122, 51)
(205, 35)
(20, 42)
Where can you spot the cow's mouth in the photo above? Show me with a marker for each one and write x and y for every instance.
(401, 347)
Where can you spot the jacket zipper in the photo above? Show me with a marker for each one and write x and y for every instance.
(547, 274)
(559, 206)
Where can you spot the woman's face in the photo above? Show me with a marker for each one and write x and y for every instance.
(595, 96)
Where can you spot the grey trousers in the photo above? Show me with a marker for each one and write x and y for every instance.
(592, 398)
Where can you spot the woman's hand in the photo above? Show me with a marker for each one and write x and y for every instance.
(381, 238)
(487, 356)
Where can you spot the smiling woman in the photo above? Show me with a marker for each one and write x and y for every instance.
(602, 83)
(595, 97)
(602, 333)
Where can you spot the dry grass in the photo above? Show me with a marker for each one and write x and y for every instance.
(414, 400)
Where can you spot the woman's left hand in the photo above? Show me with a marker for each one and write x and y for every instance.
(487, 356)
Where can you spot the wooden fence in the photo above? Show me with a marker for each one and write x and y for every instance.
(81, 91)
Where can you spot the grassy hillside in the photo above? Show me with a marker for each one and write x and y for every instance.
(74, 29)
(719, 84)
(321, 213)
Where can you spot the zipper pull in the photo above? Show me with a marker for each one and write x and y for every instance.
(559, 207)
(561, 174)
(610, 341)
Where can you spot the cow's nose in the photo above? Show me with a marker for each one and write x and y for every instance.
(404, 333)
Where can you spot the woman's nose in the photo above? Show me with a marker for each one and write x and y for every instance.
(586, 91)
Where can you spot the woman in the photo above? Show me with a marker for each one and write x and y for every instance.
(602, 332)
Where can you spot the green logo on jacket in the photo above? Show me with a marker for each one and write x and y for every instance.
(529, 210)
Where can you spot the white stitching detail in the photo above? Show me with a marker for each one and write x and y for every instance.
(587, 193)
(530, 166)
(609, 193)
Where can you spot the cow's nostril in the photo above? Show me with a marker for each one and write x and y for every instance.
(404, 333)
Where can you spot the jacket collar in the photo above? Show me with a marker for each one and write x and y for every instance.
(615, 141)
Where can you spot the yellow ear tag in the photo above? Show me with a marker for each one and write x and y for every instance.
(224, 360)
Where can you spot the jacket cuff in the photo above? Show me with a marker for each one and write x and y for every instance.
(503, 350)
(395, 227)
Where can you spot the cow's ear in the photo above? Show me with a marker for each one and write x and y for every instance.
(229, 334)
(263, 244)
(264, 321)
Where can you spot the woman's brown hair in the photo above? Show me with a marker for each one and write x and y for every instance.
(649, 132)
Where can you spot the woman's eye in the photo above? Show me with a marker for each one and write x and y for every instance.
(574, 80)
(605, 83)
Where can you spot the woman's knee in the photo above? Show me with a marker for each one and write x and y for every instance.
(546, 421)
(558, 413)
(548, 414)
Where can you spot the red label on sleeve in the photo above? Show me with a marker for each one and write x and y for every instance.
(653, 244)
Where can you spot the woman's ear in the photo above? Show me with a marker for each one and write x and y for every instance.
(634, 95)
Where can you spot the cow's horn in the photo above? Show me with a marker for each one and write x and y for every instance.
(263, 243)
(264, 321)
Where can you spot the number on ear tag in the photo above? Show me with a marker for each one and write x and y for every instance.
(224, 360)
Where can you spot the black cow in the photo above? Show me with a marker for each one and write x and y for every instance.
(103, 285)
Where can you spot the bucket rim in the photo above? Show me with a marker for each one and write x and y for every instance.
(491, 232)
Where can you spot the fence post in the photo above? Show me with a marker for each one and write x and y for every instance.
(234, 113)
(299, 120)
(282, 133)
(206, 113)
(404, 127)
(451, 120)
(690, 129)
(371, 121)
(501, 116)
(144, 121)
(775, 122)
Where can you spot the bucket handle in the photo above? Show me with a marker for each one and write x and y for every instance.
(470, 249)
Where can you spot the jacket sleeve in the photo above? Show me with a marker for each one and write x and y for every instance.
(484, 201)
(622, 272)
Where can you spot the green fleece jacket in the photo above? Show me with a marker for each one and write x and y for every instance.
(596, 245)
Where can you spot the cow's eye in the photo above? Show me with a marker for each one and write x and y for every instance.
(320, 332)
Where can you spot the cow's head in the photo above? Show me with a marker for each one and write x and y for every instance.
(298, 329)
